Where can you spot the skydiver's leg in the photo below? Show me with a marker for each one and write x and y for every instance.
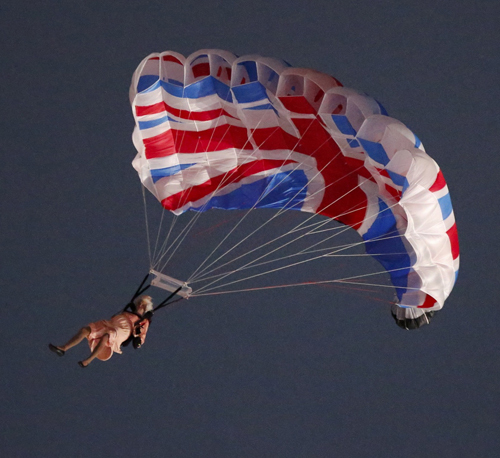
(97, 350)
(76, 339)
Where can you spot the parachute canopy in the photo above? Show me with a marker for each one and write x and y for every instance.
(214, 130)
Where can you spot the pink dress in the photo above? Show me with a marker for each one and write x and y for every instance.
(119, 328)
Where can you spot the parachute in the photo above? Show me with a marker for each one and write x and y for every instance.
(214, 130)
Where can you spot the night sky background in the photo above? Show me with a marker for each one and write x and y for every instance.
(300, 372)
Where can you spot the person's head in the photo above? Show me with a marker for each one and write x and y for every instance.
(143, 304)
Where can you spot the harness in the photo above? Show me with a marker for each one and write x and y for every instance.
(130, 307)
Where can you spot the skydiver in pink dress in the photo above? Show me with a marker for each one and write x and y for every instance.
(105, 337)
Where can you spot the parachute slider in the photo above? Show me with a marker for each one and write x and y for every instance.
(170, 284)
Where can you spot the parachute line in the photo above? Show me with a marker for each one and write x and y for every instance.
(346, 280)
(278, 213)
(181, 237)
(302, 253)
(221, 184)
(229, 233)
(147, 223)
(327, 221)
(206, 287)
(263, 194)
(158, 237)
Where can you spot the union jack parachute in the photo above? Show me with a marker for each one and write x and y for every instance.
(214, 130)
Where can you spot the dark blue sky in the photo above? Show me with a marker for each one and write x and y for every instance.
(307, 372)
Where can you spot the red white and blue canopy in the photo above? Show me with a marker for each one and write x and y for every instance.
(214, 130)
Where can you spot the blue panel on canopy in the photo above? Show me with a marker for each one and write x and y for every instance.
(283, 190)
(375, 150)
(157, 174)
(383, 242)
(251, 68)
(251, 92)
(146, 82)
(343, 124)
